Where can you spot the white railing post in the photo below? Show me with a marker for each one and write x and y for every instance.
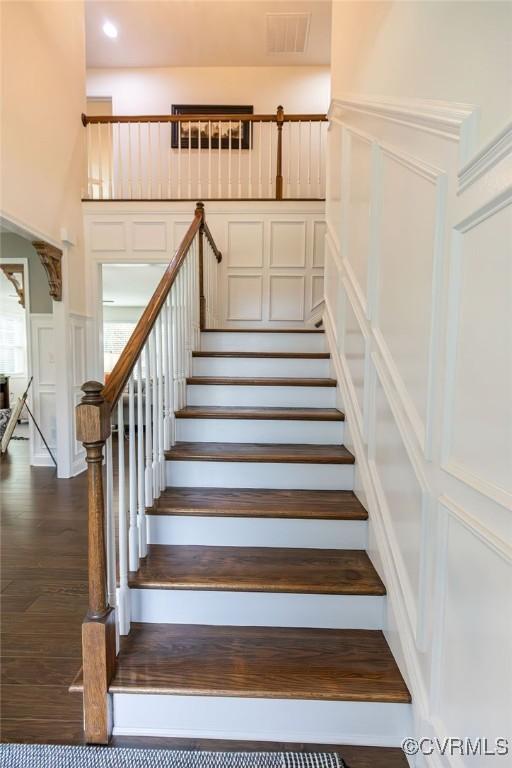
(133, 533)
(143, 549)
(123, 596)
(149, 422)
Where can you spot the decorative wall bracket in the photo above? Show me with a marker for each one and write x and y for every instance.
(51, 258)
(15, 273)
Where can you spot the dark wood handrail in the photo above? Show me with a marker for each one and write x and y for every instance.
(86, 119)
(119, 377)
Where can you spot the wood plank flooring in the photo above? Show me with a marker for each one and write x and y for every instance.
(259, 569)
(262, 414)
(293, 453)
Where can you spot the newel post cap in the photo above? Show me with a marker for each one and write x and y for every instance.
(92, 414)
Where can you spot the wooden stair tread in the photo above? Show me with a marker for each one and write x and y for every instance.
(270, 662)
(262, 330)
(260, 502)
(267, 381)
(260, 413)
(278, 355)
(258, 569)
(260, 452)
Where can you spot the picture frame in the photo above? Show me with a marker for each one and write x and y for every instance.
(230, 132)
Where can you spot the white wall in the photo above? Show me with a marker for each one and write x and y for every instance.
(152, 91)
(454, 51)
(42, 141)
(418, 314)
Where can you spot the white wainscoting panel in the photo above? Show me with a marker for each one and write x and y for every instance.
(272, 268)
(418, 302)
(43, 388)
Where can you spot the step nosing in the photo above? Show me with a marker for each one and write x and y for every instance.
(271, 413)
(238, 587)
(270, 381)
(264, 453)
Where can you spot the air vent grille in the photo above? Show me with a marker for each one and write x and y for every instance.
(287, 32)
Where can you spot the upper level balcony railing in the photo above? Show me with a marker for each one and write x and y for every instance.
(215, 157)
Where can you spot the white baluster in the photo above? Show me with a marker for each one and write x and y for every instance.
(141, 495)
(309, 160)
(168, 151)
(209, 158)
(119, 186)
(199, 148)
(170, 371)
(320, 160)
(133, 533)
(239, 158)
(270, 178)
(219, 156)
(260, 152)
(123, 596)
(178, 129)
(139, 156)
(90, 191)
(109, 524)
(130, 165)
(250, 160)
(189, 159)
(100, 163)
(230, 195)
(154, 368)
(289, 147)
(149, 423)
(149, 162)
(299, 150)
(160, 401)
(110, 161)
(159, 162)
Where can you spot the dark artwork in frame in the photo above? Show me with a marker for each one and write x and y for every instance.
(234, 133)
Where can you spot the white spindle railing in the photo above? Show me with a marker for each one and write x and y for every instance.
(156, 386)
(131, 158)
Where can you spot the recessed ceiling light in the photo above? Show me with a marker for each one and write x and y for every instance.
(110, 29)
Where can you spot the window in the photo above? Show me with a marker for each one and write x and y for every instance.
(12, 342)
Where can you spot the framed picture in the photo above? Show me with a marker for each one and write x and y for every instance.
(231, 133)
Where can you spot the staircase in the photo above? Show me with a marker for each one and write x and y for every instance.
(257, 612)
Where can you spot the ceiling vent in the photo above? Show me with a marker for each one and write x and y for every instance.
(287, 32)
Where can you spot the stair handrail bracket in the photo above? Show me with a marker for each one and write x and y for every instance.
(145, 388)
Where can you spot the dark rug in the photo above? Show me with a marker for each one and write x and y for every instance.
(50, 756)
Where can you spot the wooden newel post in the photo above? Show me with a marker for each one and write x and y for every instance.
(202, 297)
(279, 164)
(98, 628)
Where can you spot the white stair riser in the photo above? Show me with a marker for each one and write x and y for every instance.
(239, 474)
(283, 720)
(256, 609)
(257, 532)
(259, 431)
(260, 366)
(263, 342)
(278, 396)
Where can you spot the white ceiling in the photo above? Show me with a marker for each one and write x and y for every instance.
(130, 286)
(200, 33)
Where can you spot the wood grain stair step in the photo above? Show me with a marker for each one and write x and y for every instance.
(262, 330)
(272, 453)
(258, 662)
(258, 569)
(259, 413)
(276, 355)
(260, 502)
(281, 381)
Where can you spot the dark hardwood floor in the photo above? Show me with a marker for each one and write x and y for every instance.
(43, 600)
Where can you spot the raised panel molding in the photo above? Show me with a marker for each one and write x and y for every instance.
(492, 383)
(149, 236)
(245, 244)
(108, 236)
(287, 297)
(244, 297)
(287, 244)
(319, 231)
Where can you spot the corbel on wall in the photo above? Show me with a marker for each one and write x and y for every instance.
(15, 273)
(51, 258)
